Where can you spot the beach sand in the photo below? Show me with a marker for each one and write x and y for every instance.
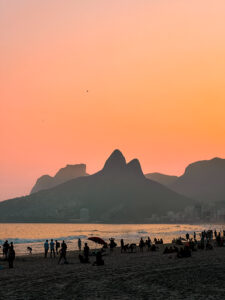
(148, 275)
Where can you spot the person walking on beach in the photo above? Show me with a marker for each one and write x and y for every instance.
(57, 246)
(63, 253)
(86, 252)
(11, 255)
(52, 248)
(79, 244)
(46, 247)
(5, 249)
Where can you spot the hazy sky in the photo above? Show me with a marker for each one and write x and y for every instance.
(155, 75)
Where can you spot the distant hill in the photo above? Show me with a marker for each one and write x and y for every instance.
(162, 178)
(119, 193)
(203, 180)
(69, 172)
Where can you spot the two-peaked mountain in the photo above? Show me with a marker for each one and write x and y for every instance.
(118, 193)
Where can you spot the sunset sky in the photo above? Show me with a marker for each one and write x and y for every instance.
(155, 75)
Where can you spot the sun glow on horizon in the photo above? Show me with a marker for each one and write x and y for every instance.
(155, 75)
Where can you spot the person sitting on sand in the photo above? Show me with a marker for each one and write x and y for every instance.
(63, 253)
(153, 247)
(99, 261)
(184, 252)
(166, 250)
(112, 244)
(11, 255)
(208, 246)
(79, 244)
(46, 247)
(86, 252)
(82, 259)
(52, 248)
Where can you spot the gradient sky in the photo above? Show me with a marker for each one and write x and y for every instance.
(154, 69)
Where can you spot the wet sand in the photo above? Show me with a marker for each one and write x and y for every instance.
(148, 275)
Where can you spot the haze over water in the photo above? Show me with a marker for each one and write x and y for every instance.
(34, 235)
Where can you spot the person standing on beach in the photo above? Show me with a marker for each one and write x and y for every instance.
(63, 253)
(57, 246)
(11, 255)
(121, 245)
(52, 248)
(79, 244)
(149, 243)
(86, 252)
(5, 249)
(141, 245)
(46, 247)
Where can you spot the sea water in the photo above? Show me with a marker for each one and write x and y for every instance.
(34, 235)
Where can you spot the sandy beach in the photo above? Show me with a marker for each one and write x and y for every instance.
(148, 275)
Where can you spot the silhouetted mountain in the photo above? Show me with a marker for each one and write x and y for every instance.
(118, 193)
(203, 180)
(69, 172)
(166, 180)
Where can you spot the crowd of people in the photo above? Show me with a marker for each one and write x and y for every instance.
(186, 245)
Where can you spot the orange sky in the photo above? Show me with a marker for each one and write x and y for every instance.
(155, 71)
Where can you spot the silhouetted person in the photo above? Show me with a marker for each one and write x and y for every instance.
(141, 245)
(11, 255)
(46, 247)
(79, 244)
(52, 248)
(121, 245)
(57, 246)
(86, 252)
(99, 261)
(194, 235)
(29, 249)
(148, 243)
(112, 244)
(63, 252)
(208, 245)
(5, 249)
(187, 236)
(153, 247)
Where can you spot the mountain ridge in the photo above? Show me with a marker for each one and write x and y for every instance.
(110, 195)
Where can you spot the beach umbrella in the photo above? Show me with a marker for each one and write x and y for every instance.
(97, 240)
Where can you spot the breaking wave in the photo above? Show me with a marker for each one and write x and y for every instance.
(31, 241)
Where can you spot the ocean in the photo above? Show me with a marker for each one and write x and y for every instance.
(34, 235)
